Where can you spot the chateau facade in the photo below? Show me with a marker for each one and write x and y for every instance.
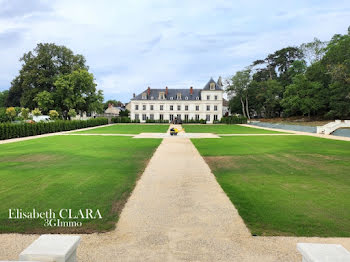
(185, 104)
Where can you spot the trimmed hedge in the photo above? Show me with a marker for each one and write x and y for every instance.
(124, 119)
(157, 121)
(192, 121)
(11, 130)
(233, 120)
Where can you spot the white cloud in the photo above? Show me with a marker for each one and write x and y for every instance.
(130, 45)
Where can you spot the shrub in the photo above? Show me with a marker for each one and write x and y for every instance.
(25, 112)
(36, 112)
(11, 112)
(191, 121)
(3, 115)
(124, 119)
(53, 114)
(233, 120)
(72, 113)
(157, 121)
(202, 121)
(12, 130)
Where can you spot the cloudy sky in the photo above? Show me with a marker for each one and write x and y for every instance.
(132, 44)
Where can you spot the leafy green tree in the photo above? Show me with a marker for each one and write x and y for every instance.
(314, 51)
(53, 114)
(234, 105)
(276, 65)
(44, 100)
(25, 112)
(77, 90)
(11, 113)
(337, 62)
(126, 113)
(72, 113)
(40, 69)
(272, 93)
(298, 67)
(238, 86)
(303, 96)
(3, 98)
(3, 115)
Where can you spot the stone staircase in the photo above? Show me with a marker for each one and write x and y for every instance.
(332, 126)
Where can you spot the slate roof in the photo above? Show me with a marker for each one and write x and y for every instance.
(172, 93)
(207, 86)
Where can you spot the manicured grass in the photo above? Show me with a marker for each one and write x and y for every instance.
(284, 185)
(128, 129)
(70, 172)
(225, 129)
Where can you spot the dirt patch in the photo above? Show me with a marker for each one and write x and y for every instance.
(229, 162)
(31, 158)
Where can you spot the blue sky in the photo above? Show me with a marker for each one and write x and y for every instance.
(130, 45)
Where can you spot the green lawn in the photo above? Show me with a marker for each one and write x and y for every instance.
(70, 172)
(225, 129)
(128, 129)
(284, 185)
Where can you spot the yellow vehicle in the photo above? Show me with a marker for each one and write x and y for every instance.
(174, 131)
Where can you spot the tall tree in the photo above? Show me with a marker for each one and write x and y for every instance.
(3, 97)
(238, 86)
(77, 90)
(40, 69)
(314, 51)
(304, 96)
(337, 62)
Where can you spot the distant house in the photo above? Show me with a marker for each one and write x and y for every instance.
(84, 115)
(112, 110)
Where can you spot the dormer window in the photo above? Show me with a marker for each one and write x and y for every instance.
(212, 86)
(178, 96)
(161, 95)
(144, 96)
(186, 98)
(197, 98)
(152, 97)
(171, 98)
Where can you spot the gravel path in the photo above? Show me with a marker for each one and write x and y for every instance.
(177, 212)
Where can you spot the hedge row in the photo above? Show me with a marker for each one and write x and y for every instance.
(124, 119)
(11, 130)
(157, 121)
(233, 120)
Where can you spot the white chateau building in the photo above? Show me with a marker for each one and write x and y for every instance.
(184, 104)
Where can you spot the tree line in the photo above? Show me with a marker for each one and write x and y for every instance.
(53, 78)
(310, 80)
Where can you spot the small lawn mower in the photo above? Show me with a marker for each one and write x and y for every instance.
(174, 131)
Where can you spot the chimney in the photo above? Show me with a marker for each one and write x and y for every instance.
(166, 90)
(148, 90)
(133, 95)
(191, 90)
